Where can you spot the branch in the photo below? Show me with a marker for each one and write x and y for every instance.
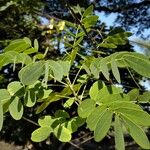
(47, 16)
(123, 9)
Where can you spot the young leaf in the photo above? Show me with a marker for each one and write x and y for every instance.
(103, 125)
(41, 134)
(36, 45)
(88, 11)
(30, 51)
(107, 45)
(69, 103)
(119, 139)
(90, 20)
(16, 108)
(137, 133)
(78, 41)
(115, 70)
(31, 73)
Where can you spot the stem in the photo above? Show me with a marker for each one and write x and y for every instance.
(73, 91)
(77, 75)
(133, 78)
(30, 121)
(75, 145)
(83, 92)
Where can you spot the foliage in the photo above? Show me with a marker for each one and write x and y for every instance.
(103, 106)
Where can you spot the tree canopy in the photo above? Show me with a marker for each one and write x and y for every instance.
(67, 76)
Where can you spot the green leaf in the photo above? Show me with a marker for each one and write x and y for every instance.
(110, 98)
(138, 116)
(27, 40)
(144, 98)
(107, 45)
(1, 115)
(23, 58)
(88, 11)
(31, 73)
(74, 123)
(30, 98)
(65, 66)
(103, 125)
(94, 67)
(19, 45)
(61, 113)
(69, 103)
(16, 89)
(55, 96)
(137, 133)
(43, 94)
(115, 70)
(70, 24)
(4, 96)
(72, 56)
(41, 134)
(16, 108)
(83, 78)
(139, 64)
(86, 107)
(30, 51)
(93, 118)
(36, 45)
(95, 88)
(124, 104)
(78, 41)
(90, 20)
(45, 121)
(63, 134)
(7, 5)
(57, 70)
(119, 139)
(133, 94)
(101, 93)
(104, 68)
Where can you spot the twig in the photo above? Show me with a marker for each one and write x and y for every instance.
(79, 22)
(88, 139)
(81, 137)
(71, 88)
(30, 121)
(75, 145)
(83, 92)
(76, 75)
